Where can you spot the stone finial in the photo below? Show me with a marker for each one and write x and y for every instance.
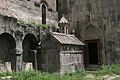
(63, 25)
(63, 20)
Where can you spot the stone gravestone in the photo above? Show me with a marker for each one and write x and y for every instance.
(2, 68)
(28, 66)
(8, 66)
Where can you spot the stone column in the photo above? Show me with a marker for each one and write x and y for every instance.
(35, 54)
(19, 59)
(61, 30)
(19, 51)
(65, 30)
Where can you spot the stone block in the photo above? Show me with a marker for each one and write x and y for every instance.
(28, 65)
(8, 66)
(2, 68)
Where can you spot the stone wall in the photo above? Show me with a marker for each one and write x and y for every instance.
(71, 62)
(50, 59)
(17, 19)
(12, 36)
(104, 16)
(29, 11)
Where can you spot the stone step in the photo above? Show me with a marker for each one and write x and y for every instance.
(91, 72)
(92, 67)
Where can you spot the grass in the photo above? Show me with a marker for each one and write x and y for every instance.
(78, 75)
(118, 78)
(37, 75)
(109, 70)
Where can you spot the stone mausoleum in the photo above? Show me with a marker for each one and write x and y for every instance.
(61, 53)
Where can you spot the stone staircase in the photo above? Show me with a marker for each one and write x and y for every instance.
(92, 67)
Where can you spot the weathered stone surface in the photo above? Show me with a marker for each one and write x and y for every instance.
(104, 17)
(28, 66)
(17, 40)
(59, 55)
(27, 11)
(8, 66)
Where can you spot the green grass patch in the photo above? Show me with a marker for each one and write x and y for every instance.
(108, 70)
(37, 75)
(118, 78)
(78, 75)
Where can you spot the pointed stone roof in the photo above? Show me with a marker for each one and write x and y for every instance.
(63, 20)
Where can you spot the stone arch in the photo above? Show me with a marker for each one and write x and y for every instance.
(7, 49)
(29, 44)
(93, 48)
(44, 2)
(92, 32)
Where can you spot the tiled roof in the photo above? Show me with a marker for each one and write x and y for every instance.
(66, 38)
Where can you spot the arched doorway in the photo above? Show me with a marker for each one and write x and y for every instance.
(7, 50)
(92, 57)
(29, 45)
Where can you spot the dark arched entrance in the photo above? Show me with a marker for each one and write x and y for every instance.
(92, 57)
(7, 50)
(29, 45)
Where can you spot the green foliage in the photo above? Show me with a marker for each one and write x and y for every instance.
(118, 78)
(104, 71)
(36, 75)
(37, 25)
(116, 69)
(42, 26)
(4, 74)
(109, 70)
(21, 22)
(78, 75)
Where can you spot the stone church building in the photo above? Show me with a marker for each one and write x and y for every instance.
(97, 24)
(94, 22)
